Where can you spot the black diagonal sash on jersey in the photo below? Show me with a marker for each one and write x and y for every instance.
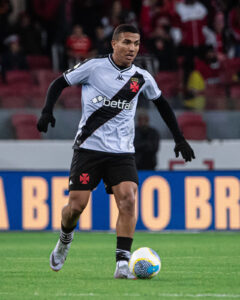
(106, 113)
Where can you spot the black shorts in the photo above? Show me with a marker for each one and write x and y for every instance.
(89, 167)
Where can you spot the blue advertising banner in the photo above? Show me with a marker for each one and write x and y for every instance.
(177, 200)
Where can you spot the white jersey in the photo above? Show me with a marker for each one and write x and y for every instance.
(109, 101)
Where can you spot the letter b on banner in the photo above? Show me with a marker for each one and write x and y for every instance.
(197, 207)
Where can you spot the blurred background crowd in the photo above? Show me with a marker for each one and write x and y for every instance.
(191, 47)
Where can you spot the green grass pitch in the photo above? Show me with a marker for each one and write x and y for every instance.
(194, 266)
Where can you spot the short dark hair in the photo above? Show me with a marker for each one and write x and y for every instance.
(124, 28)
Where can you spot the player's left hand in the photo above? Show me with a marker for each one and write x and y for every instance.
(44, 120)
(185, 149)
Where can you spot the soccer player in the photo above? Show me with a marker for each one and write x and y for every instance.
(103, 147)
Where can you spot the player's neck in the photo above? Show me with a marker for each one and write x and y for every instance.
(119, 66)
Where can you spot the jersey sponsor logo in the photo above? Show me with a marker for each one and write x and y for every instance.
(97, 99)
(84, 178)
(121, 104)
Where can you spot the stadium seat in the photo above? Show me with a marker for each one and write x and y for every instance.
(44, 78)
(13, 101)
(192, 126)
(169, 83)
(216, 97)
(235, 96)
(229, 70)
(14, 95)
(5, 90)
(37, 101)
(219, 95)
(71, 97)
(39, 62)
(18, 90)
(25, 126)
(19, 76)
(235, 91)
(36, 97)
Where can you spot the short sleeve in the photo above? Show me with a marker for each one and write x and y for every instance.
(151, 90)
(79, 74)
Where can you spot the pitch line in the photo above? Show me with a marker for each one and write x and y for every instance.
(235, 296)
(176, 295)
(203, 272)
(31, 259)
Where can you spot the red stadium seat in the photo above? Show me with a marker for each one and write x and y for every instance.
(37, 101)
(39, 62)
(229, 69)
(193, 126)
(13, 101)
(71, 97)
(19, 76)
(14, 95)
(44, 78)
(5, 90)
(169, 83)
(18, 89)
(235, 96)
(216, 97)
(35, 96)
(25, 126)
(218, 94)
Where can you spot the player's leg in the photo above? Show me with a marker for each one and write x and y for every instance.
(78, 200)
(84, 177)
(124, 193)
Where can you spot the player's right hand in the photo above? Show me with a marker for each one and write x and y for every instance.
(44, 120)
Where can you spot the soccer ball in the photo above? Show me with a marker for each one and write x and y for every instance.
(144, 263)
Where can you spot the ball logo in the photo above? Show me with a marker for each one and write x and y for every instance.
(84, 178)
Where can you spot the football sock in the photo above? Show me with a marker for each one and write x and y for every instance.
(123, 251)
(66, 234)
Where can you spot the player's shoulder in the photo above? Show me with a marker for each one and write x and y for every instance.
(93, 61)
(147, 76)
(96, 59)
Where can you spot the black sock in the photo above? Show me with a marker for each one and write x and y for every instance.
(123, 251)
(66, 234)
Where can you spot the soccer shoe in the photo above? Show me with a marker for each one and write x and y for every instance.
(59, 255)
(122, 271)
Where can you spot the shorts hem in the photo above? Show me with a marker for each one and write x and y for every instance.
(109, 187)
(122, 180)
(80, 189)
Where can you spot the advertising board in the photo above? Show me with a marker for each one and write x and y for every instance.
(167, 200)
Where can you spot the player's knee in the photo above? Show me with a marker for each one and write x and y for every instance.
(76, 206)
(127, 204)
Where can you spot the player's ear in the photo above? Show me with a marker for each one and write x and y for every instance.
(113, 43)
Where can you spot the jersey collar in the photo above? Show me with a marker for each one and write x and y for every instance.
(115, 66)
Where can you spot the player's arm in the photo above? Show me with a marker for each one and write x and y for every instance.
(169, 118)
(54, 91)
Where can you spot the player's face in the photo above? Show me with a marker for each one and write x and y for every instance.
(125, 49)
